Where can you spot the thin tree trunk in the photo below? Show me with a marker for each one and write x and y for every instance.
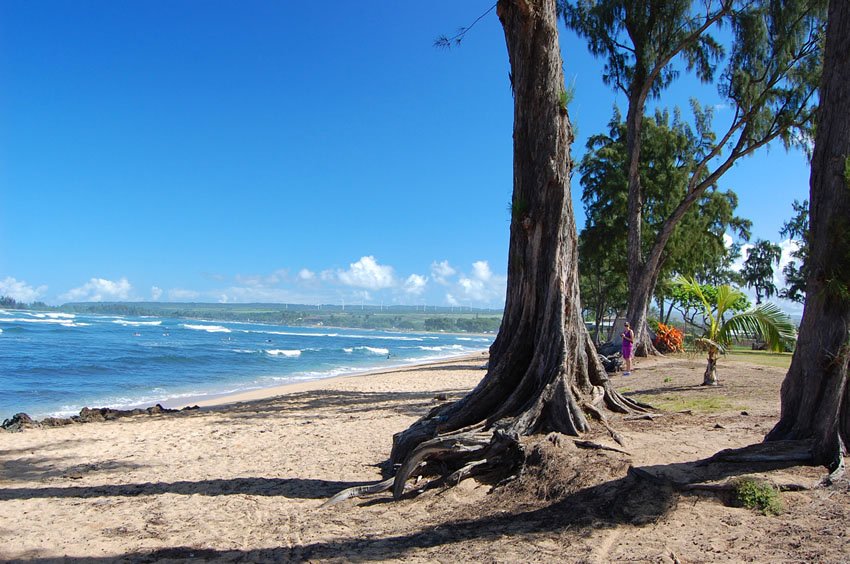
(543, 373)
(815, 392)
(709, 378)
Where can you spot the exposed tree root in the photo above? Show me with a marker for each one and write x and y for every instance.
(726, 486)
(359, 491)
(448, 445)
(775, 451)
(598, 446)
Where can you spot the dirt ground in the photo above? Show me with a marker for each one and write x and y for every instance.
(245, 482)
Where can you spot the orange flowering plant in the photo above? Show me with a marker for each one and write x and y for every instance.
(668, 339)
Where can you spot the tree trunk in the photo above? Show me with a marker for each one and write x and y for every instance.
(543, 373)
(815, 392)
(640, 295)
(710, 376)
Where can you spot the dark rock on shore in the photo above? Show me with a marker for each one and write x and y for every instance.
(18, 423)
(21, 421)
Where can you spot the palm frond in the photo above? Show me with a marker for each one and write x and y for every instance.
(765, 320)
(727, 296)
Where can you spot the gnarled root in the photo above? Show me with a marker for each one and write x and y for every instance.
(774, 451)
(457, 446)
(359, 491)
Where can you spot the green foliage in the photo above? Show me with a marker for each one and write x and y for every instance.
(797, 229)
(758, 495)
(566, 96)
(758, 268)
(687, 301)
(634, 38)
(697, 245)
(517, 208)
(8, 302)
(765, 321)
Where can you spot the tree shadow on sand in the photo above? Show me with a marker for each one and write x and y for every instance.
(628, 500)
(310, 404)
(302, 488)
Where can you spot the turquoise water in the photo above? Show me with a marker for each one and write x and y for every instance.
(54, 364)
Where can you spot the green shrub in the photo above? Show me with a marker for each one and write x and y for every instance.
(758, 495)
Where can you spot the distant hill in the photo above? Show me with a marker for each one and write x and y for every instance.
(410, 318)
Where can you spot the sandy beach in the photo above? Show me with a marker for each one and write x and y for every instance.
(243, 481)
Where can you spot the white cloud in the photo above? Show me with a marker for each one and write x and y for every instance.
(20, 291)
(367, 273)
(156, 293)
(415, 284)
(100, 289)
(441, 271)
(306, 275)
(263, 281)
(451, 300)
(482, 285)
(481, 270)
(181, 294)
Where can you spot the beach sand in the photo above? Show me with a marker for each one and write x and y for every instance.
(244, 482)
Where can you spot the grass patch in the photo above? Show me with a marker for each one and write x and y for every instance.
(758, 496)
(711, 404)
(763, 358)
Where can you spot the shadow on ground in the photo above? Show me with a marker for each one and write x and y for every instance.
(284, 487)
(628, 500)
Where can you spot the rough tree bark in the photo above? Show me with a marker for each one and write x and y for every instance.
(815, 393)
(543, 373)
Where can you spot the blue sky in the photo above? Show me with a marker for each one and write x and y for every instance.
(274, 151)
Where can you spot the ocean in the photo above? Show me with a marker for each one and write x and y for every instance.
(54, 364)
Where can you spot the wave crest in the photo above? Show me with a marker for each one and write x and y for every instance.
(207, 328)
(282, 352)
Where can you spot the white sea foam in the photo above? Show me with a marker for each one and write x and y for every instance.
(63, 322)
(291, 333)
(126, 323)
(207, 328)
(374, 350)
(348, 350)
(443, 348)
(340, 335)
(282, 352)
(60, 315)
(383, 337)
(249, 351)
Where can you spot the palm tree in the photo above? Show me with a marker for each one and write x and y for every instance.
(765, 320)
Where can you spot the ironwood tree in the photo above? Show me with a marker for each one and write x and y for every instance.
(696, 248)
(815, 392)
(769, 84)
(796, 229)
(758, 268)
(544, 374)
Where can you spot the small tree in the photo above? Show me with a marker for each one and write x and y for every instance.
(765, 320)
(796, 229)
(758, 268)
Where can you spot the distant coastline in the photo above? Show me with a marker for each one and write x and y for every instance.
(395, 317)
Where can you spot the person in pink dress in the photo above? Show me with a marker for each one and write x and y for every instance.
(628, 340)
